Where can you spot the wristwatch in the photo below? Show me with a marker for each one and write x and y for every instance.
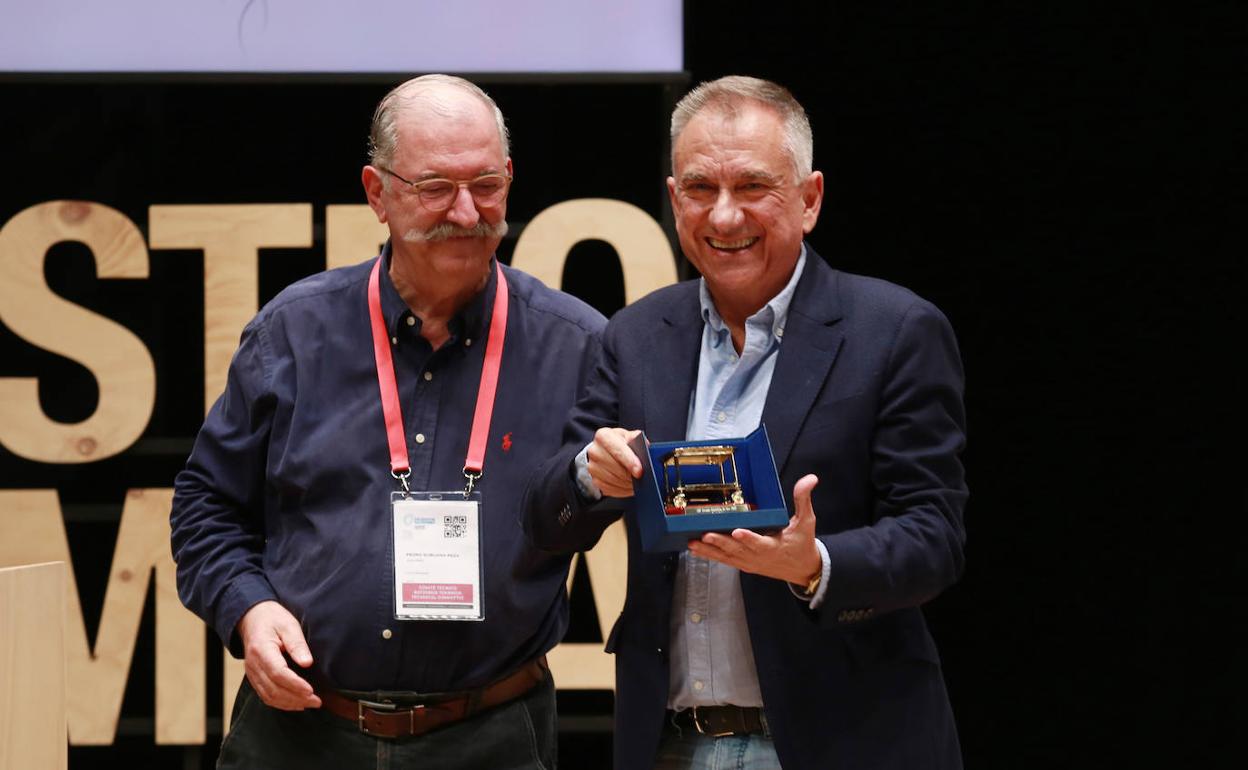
(812, 585)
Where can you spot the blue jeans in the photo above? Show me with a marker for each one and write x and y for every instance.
(683, 748)
(518, 735)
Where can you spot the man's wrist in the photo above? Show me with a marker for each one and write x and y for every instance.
(811, 584)
(580, 473)
(808, 583)
(816, 587)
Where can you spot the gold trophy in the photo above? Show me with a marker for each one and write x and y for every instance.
(723, 496)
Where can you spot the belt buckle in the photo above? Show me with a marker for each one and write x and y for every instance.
(387, 708)
(697, 723)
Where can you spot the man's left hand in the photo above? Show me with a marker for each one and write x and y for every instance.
(790, 554)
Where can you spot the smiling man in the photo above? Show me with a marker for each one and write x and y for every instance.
(803, 648)
(348, 519)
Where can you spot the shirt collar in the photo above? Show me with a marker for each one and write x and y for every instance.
(469, 322)
(774, 313)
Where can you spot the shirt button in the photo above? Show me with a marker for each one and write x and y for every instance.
(468, 342)
(411, 320)
(696, 617)
(420, 438)
(428, 376)
(721, 416)
(697, 685)
(394, 340)
(385, 633)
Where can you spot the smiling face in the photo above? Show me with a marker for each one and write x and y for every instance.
(741, 210)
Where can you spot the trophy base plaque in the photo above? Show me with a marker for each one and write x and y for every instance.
(675, 510)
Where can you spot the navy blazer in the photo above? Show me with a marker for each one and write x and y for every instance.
(867, 394)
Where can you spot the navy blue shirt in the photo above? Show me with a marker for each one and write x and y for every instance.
(286, 493)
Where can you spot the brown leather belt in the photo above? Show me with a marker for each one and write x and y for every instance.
(720, 721)
(386, 719)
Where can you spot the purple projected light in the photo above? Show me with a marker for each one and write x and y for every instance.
(337, 36)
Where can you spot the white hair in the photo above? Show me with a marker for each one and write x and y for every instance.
(727, 94)
(384, 135)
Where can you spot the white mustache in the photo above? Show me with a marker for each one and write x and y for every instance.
(446, 231)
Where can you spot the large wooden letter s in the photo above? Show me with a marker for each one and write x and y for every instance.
(119, 361)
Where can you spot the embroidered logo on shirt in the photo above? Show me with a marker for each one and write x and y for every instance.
(507, 442)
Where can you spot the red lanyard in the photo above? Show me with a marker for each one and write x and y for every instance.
(390, 409)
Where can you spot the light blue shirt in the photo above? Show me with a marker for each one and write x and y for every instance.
(712, 660)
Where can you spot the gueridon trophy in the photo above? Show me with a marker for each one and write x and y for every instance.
(689, 485)
(689, 488)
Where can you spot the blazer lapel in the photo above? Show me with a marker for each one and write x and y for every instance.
(672, 369)
(812, 339)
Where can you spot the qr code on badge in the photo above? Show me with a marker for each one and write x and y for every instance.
(454, 526)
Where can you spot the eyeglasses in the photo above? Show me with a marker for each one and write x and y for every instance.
(439, 194)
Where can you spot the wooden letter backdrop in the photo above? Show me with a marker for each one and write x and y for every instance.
(31, 524)
(32, 667)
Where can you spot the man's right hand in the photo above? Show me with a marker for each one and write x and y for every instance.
(268, 629)
(612, 463)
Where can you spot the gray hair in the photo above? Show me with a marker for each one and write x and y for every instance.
(727, 94)
(384, 135)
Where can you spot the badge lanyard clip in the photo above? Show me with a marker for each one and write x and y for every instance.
(470, 480)
(402, 479)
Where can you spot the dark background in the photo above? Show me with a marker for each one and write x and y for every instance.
(1064, 180)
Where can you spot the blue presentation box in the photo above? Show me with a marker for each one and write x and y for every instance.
(755, 472)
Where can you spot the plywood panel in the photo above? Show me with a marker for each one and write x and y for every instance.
(32, 530)
(352, 235)
(586, 666)
(115, 357)
(644, 253)
(230, 237)
(32, 667)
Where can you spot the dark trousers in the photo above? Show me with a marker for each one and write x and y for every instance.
(519, 735)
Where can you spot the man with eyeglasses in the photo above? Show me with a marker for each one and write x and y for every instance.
(348, 521)
(804, 647)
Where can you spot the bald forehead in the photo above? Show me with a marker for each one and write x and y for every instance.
(432, 101)
(445, 119)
